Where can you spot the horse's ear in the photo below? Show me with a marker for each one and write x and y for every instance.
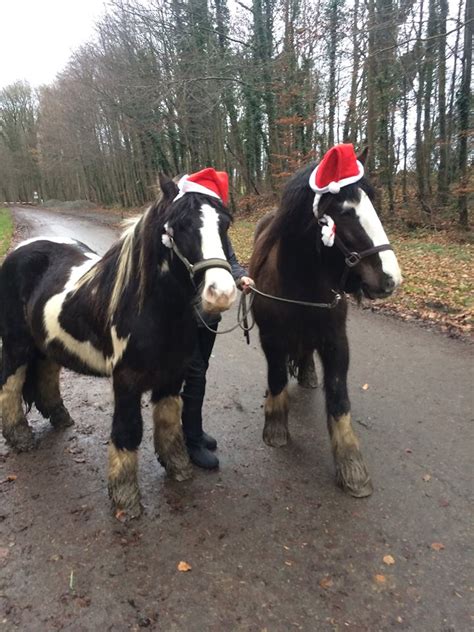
(169, 188)
(362, 157)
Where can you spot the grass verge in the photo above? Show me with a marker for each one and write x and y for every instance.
(437, 268)
(6, 230)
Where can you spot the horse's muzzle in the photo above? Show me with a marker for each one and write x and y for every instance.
(218, 297)
(384, 290)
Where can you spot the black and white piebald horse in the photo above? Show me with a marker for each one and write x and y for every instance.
(325, 239)
(128, 315)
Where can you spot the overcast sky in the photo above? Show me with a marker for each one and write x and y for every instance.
(38, 36)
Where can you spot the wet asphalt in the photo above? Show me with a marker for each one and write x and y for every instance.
(273, 545)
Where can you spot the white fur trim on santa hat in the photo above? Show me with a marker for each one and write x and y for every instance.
(332, 187)
(335, 187)
(187, 186)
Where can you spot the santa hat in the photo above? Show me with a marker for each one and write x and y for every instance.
(338, 168)
(208, 182)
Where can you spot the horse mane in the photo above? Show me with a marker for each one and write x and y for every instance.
(135, 258)
(293, 215)
(127, 258)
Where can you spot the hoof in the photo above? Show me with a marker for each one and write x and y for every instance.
(20, 437)
(352, 475)
(275, 435)
(125, 501)
(125, 514)
(60, 418)
(180, 473)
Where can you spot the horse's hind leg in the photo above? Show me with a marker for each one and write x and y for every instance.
(306, 376)
(275, 431)
(47, 395)
(351, 471)
(15, 427)
(127, 430)
(168, 436)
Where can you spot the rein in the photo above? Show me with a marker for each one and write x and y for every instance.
(242, 318)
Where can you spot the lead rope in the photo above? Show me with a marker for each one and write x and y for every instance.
(245, 309)
(242, 318)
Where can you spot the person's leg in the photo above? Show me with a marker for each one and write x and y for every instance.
(193, 394)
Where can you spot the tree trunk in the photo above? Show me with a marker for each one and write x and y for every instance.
(464, 103)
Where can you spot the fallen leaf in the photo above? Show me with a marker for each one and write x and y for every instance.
(380, 579)
(408, 450)
(326, 582)
(79, 460)
(389, 560)
(426, 477)
(288, 563)
(184, 567)
(365, 387)
(11, 478)
(437, 546)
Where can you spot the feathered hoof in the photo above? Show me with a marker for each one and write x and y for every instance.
(126, 503)
(60, 418)
(275, 435)
(183, 472)
(20, 437)
(352, 475)
(129, 513)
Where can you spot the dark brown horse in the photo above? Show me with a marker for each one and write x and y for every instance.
(293, 260)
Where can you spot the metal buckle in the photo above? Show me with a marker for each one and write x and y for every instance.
(352, 259)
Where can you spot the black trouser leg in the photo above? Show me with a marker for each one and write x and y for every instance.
(194, 387)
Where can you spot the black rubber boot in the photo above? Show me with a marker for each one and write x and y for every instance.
(209, 442)
(201, 456)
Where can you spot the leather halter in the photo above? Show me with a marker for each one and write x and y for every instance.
(199, 266)
(353, 257)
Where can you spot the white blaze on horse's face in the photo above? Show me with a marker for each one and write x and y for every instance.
(370, 222)
(219, 290)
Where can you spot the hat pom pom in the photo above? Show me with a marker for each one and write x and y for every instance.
(333, 187)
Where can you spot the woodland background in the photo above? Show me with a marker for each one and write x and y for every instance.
(258, 88)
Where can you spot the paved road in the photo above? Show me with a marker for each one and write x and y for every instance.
(273, 544)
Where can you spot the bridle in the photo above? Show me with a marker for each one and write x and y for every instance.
(199, 266)
(353, 257)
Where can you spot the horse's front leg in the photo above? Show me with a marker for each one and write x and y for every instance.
(127, 430)
(275, 431)
(351, 471)
(168, 436)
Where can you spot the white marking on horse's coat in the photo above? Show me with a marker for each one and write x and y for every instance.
(56, 240)
(219, 286)
(372, 225)
(84, 350)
